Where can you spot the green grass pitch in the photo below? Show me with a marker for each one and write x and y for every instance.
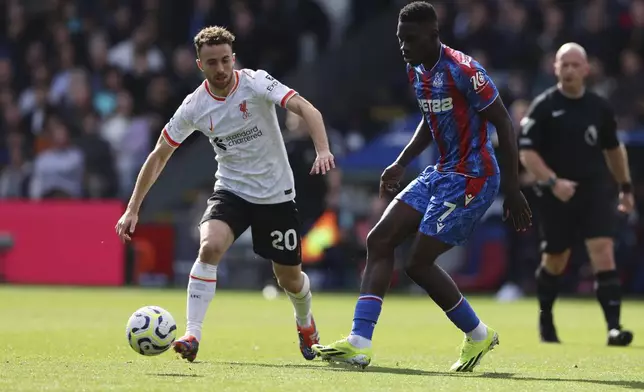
(73, 339)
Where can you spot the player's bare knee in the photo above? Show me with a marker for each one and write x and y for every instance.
(378, 240)
(412, 270)
(601, 255)
(289, 284)
(555, 263)
(216, 238)
(211, 251)
(289, 278)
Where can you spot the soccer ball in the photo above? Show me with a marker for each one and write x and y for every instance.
(151, 330)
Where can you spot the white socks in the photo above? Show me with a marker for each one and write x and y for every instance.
(302, 303)
(479, 333)
(201, 290)
(359, 342)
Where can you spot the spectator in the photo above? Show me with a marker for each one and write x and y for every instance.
(186, 77)
(60, 85)
(545, 75)
(128, 137)
(14, 177)
(97, 48)
(628, 97)
(516, 38)
(58, 171)
(78, 102)
(31, 98)
(634, 31)
(123, 54)
(598, 81)
(596, 35)
(554, 32)
(101, 178)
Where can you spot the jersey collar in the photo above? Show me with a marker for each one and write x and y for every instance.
(218, 98)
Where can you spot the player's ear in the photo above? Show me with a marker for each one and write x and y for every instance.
(234, 58)
(199, 65)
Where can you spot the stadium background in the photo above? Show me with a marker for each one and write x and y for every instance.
(86, 86)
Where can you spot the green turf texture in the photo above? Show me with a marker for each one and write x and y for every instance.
(73, 339)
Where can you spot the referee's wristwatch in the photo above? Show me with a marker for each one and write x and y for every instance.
(551, 182)
(626, 187)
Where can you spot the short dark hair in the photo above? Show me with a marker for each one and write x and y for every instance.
(418, 12)
(213, 35)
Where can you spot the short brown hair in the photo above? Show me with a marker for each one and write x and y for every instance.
(213, 35)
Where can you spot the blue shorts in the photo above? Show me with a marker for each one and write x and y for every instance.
(451, 204)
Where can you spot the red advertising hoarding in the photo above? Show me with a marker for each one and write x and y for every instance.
(62, 242)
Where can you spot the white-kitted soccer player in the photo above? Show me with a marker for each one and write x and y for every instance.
(235, 109)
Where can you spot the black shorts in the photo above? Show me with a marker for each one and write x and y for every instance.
(590, 213)
(275, 227)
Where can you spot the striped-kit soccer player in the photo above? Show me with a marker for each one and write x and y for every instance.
(454, 194)
(442, 206)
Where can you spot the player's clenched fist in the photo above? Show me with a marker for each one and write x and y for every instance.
(390, 179)
(125, 226)
(324, 162)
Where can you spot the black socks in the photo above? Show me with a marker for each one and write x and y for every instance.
(547, 291)
(609, 295)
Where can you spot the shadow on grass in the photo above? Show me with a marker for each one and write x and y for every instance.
(335, 367)
(175, 375)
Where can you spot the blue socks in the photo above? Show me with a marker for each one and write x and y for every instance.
(366, 315)
(463, 316)
(368, 310)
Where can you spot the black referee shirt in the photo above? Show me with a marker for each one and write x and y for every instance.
(570, 134)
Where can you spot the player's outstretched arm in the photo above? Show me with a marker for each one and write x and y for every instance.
(391, 176)
(418, 143)
(500, 118)
(324, 161)
(515, 206)
(149, 173)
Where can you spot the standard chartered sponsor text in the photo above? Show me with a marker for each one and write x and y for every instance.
(244, 136)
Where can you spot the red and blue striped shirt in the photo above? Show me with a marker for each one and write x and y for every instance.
(450, 96)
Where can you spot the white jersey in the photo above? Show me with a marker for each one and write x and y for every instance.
(243, 130)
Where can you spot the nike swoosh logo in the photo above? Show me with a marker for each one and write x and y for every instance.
(558, 113)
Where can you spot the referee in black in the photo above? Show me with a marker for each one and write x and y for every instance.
(569, 142)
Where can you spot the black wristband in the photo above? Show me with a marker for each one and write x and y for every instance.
(551, 181)
(626, 187)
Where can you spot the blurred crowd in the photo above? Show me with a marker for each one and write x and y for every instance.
(516, 41)
(85, 86)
